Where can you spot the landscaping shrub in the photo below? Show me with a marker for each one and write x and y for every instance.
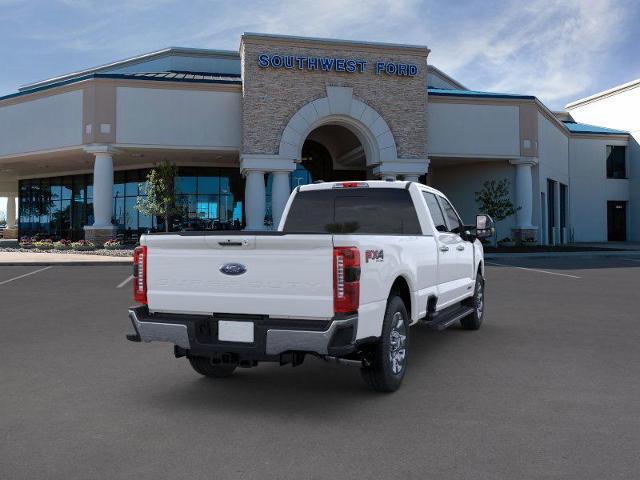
(113, 245)
(62, 245)
(83, 245)
(26, 242)
(45, 244)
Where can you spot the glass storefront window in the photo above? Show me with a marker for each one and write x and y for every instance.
(118, 212)
(208, 185)
(67, 189)
(131, 187)
(118, 184)
(186, 184)
(59, 207)
(131, 214)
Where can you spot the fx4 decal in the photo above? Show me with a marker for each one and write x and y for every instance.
(374, 256)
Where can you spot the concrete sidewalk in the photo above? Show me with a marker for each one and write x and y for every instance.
(616, 245)
(593, 253)
(33, 258)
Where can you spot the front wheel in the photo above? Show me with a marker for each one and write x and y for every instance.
(474, 319)
(387, 362)
(204, 366)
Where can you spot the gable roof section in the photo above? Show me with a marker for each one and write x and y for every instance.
(145, 57)
(447, 78)
(185, 77)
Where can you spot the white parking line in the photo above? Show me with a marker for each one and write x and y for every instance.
(632, 259)
(533, 270)
(25, 275)
(125, 281)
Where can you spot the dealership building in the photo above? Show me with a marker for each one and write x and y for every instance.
(246, 127)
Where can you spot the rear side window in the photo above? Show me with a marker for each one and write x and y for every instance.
(435, 211)
(382, 211)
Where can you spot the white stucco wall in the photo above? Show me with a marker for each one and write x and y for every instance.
(620, 111)
(189, 118)
(43, 124)
(471, 129)
(590, 189)
(460, 182)
(553, 163)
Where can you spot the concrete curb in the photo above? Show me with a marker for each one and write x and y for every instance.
(88, 263)
(617, 253)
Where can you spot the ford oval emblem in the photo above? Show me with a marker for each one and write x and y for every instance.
(233, 269)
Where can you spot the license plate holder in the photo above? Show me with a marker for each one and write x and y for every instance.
(234, 331)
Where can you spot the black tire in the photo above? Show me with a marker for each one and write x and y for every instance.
(203, 366)
(474, 320)
(382, 373)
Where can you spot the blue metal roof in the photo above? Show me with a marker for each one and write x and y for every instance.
(575, 127)
(188, 77)
(444, 92)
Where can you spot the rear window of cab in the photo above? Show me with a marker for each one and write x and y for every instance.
(380, 211)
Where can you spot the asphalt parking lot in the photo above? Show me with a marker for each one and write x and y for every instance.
(548, 388)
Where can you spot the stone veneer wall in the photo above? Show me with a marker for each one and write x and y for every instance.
(272, 96)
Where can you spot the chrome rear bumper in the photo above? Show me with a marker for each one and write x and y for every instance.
(272, 337)
(175, 333)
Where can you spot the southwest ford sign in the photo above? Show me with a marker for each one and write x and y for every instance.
(334, 64)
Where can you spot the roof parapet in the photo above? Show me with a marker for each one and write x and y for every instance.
(605, 93)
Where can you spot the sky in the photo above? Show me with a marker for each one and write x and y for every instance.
(557, 50)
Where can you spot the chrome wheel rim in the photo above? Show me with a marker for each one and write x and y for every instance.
(479, 300)
(397, 342)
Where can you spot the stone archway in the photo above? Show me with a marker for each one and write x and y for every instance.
(339, 107)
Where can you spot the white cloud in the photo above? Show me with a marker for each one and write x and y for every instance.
(548, 48)
(545, 48)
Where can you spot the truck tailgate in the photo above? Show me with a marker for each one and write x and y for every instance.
(285, 275)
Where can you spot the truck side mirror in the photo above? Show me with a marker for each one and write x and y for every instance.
(485, 227)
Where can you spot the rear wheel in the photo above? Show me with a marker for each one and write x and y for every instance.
(204, 366)
(474, 320)
(387, 360)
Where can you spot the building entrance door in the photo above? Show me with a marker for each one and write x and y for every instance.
(617, 221)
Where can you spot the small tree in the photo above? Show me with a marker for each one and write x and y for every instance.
(161, 194)
(495, 199)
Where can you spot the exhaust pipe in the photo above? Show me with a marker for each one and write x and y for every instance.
(343, 361)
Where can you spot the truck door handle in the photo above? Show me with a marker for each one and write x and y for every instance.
(444, 248)
(460, 248)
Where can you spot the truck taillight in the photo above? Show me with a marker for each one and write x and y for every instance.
(140, 275)
(346, 279)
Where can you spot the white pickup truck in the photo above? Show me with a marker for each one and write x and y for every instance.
(350, 268)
